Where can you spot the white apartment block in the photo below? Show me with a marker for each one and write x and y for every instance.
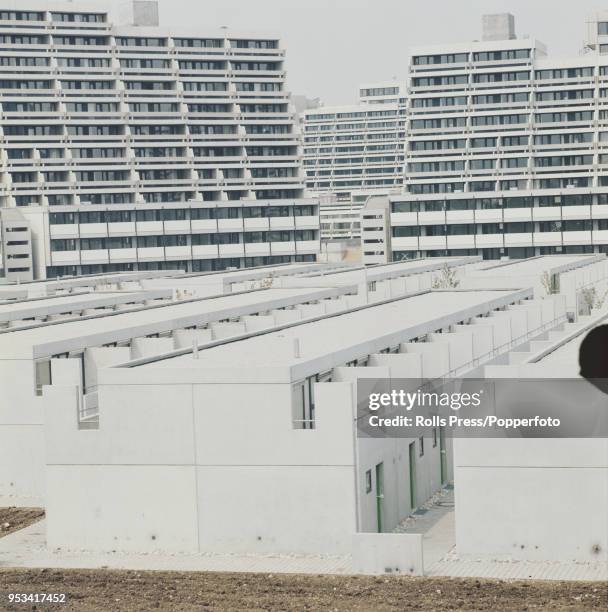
(352, 152)
(506, 151)
(136, 147)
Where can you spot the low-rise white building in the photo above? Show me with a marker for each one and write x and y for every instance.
(250, 445)
(99, 321)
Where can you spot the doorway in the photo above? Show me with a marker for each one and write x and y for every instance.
(412, 469)
(379, 494)
(443, 458)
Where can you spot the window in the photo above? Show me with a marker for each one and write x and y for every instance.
(434, 437)
(421, 446)
(368, 481)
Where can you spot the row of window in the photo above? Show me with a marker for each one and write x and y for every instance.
(467, 229)
(196, 265)
(171, 240)
(137, 129)
(480, 56)
(505, 141)
(506, 185)
(512, 76)
(490, 120)
(181, 214)
(499, 203)
(510, 162)
(121, 41)
(506, 98)
(497, 253)
(154, 152)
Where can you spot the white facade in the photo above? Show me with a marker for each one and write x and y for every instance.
(132, 147)
(15, 246)
(505, 151)
(100, 321)
(258, 453)
(352, 152)
(551, 496)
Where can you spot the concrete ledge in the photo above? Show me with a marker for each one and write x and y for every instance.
(387, 553)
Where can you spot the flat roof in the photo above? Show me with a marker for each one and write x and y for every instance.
(45, 340)
(537, 265)
(39, 307)
(332, 340)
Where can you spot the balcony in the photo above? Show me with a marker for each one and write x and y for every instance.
(404, 218)
(432, 242)
(231, 250)
(65, 257)
(489, 241)
(204, 225)
(547, 238)
(256, 224)
(123, 255)
(177, 252)
(230, 225)
(149, 227)
(126, 228)
(94, 256)
(465, 241)
(150, 253)
(64, 231)
(177, 227)
(600, 237)
(523, 239)
(576, 212)
(489, 215)
(257, 248)
(283, 248)
(547, 213)
(582, 237)
(517, 214)
(431, 217)
(308, 246)
(279, 223)
(204, 251)
(405, 243)
(93, 230)
(460, 216)
(310, 222)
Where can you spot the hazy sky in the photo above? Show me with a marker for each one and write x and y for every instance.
(333, 45)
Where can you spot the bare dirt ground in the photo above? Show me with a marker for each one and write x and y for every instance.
(18, 518)
(92, 590)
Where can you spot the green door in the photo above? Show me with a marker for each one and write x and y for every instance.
(379, 494)
(443, 459)
(412, 467)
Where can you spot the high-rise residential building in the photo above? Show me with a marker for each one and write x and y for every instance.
(135, 147)
(506, 151)
(352, 152)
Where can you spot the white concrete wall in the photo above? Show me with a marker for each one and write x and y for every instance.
(532, 499)
(210, 468)
(21, 415)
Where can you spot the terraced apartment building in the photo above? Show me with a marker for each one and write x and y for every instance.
(506, 151)
(136, 147)
(352, 152)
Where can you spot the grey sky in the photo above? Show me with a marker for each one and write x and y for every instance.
(333, 45)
